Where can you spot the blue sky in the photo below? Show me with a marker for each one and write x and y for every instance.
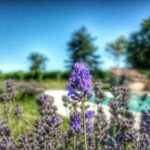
(46, 27)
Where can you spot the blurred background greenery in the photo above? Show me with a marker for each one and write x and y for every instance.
(135, 50)
(36, 45)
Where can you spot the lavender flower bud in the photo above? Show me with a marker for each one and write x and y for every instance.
(80, 80)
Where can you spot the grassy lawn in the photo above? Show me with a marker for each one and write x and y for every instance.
(47, 84)
(54, 84)
(30, 114)
(27, 122)
(30, 107)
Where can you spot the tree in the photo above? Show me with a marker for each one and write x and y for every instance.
(117, 48)
(82, 48)
(38, 62)
(138, 51)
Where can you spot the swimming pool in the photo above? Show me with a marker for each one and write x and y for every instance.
(135, 103)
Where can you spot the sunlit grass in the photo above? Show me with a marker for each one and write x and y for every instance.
(54, 84)
(27, 122)
(60, 84)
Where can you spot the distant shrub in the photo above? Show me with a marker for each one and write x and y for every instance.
(52, 75)
(27, 90)
(1, 76)
(145, 72)
(66, 74)
(19, 75)
(28, 75)
(33, 76)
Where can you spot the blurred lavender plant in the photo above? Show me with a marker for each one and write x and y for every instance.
(121, 129)
(28, 90)
(6, 142)
(94, 128)
(10, 92)
(18, 111)
(98, 92)
(47, 134)
(144, 139)
(7, 97)
(45, 103)
(48, 125)
(121, 96)
(100, 129)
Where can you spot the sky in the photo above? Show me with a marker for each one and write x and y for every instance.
(45, 26)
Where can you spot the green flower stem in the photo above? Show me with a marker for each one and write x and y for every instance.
(74, 142)
(97, 145)
(84, 126)
(6, 113)
(18, 127)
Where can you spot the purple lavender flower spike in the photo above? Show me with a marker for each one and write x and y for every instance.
(76, 122)
(89, 127)
(90, 115)
(52, 119)
(59, 120)
(80, 82)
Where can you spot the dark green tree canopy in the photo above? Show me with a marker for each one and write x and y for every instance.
(38, 62)
(82, 48)
(138, 51)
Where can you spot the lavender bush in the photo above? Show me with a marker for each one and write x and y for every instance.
(86, 129)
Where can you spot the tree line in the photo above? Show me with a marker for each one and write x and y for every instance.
(135, 50)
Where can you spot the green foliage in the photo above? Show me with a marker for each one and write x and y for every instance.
(98, 74)
(1, 76)
(31, 76)
(66, 122)
(66, 75)
(35, 76)
(28, 75)
(37, 62)
(19, 75)
(82, 48)
(52, 75)
(30, 114)
(27, 91)
(117, 48)
(138, 51)
(145, 72)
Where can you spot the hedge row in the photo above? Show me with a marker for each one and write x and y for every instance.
(48, 75)
(34, 75)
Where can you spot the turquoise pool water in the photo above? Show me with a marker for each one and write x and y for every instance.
(135, 103)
